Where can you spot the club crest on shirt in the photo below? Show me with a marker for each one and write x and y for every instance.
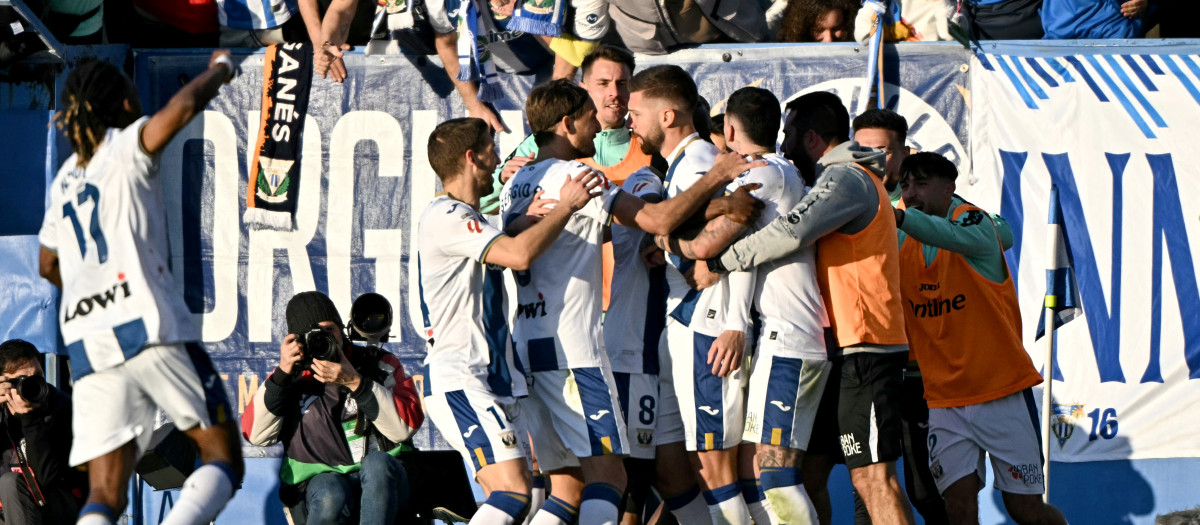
(508, 439)
(645, 436)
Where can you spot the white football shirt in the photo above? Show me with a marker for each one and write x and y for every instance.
(463, 302)
(108, 225)
(626, 322)
(786, 296)
(559, 298)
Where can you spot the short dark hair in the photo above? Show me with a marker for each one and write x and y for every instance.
(667, 82)
(718, 125)
(757, 110)
(450, 140)
(927, 164)
(16, 351)
(549, 102)
(822, 112)
(608, 52)
(876, 118)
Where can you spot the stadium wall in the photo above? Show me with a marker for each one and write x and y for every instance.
(365, 179)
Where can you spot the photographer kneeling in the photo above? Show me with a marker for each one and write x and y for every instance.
(38, 485)
(342, 413)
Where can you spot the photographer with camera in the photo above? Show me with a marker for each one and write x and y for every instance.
(37, 485)
(343, 413)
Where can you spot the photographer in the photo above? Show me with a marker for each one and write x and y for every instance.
(343, 414)
(37, 485)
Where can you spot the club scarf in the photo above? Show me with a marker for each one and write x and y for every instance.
(275, 181)
(474, 61)
(540, 17)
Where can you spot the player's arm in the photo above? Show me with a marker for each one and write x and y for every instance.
(663, 217)
(839, 197)
(48, 267)
(729, 349)
(518, 252)
(971, 235)
(187, 103)
(447, 50)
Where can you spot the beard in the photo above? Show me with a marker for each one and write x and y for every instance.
(806, 165)
(652, 143)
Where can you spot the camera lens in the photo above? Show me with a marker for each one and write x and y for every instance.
(320, 344)
(371, 315)
(33, 388)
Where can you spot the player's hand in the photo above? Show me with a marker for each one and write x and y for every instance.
(726, 353)
(741, 207)
(511, 167)
(1134, 8)
(327, 61)
(290, 353)
(698, 277)
(16, 404)
(577, 191)
(480, 110)
(730, 165)
(652, 255)
(216, 55)
(540, 207)
(339, 372)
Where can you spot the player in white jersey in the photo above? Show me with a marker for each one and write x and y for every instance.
(130, 336)
(705, 330)
(573, 406)
(471, 378)
(791, 366)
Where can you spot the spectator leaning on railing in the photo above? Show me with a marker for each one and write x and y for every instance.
(818, 21)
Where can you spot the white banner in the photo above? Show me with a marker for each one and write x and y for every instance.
(1118, 135)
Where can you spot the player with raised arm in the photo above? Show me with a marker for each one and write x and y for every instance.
(573, 401)
(472, 380)
(131, 338)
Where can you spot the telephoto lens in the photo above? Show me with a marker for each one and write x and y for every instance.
(32, 388)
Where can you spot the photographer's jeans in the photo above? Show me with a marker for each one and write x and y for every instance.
(19, 507)
(381, 484)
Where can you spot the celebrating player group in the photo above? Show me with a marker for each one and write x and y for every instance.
(748, 327)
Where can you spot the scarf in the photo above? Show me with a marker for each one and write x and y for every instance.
(539, 17)
(275, 182)
(474, 62)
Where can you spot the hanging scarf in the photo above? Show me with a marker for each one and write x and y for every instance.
(474, 61)
(275, 182)
(539, 17)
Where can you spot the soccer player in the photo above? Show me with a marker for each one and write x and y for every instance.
(790, 366)
(705, 330)
(132, 342)
(965, 327)
(885, 130)
(471, 378)
(573, 406)
(847, 215)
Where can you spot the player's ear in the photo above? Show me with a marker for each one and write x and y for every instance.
(667, 117)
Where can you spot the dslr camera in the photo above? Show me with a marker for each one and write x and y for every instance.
(32, 388)
(318, 344)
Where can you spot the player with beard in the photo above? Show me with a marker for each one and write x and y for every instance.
(573, 406)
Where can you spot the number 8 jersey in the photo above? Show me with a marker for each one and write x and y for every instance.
(107, 223)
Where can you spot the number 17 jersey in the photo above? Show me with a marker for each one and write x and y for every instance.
(108, 225)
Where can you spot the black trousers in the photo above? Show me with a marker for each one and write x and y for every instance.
(20, 509)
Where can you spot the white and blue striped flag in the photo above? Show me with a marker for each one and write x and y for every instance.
(1062, 294)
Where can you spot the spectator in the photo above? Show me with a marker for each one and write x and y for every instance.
(930, 19)
(37, 486)
(1002, 19)
(519, 41)
(1074, 19)
(253, 23)
(333, 27)
(162, 23)
(74, 22)
(342, 421)
(655, 27)
(819, 21)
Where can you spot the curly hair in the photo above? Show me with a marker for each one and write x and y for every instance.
(801, 17)
(93, 101)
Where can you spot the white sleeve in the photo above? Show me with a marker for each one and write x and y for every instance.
(48, 234)
(599, 208)
(741, 295)
(591, 19)
(464, 233)
(128, 149)
(440, 12)
(769, 179)
(643, 183)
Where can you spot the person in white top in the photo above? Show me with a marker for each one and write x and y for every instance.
(791, 365)
(130, 336)
(470, 384)
(705, 330)
(557, 328)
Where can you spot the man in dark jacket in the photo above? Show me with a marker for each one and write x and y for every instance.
(342, 420)
(37, 485)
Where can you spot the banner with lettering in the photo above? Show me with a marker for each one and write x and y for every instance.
(365, 177)
(1115, 131)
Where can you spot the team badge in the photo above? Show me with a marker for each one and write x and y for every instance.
(508, 439)
(645, 436)
(1062, 421)
(936, 469)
